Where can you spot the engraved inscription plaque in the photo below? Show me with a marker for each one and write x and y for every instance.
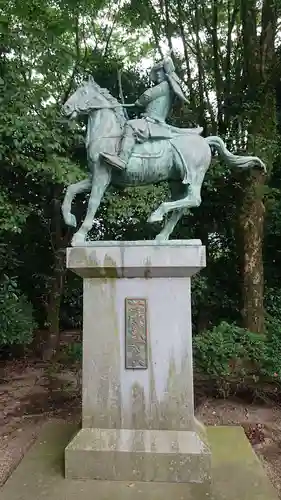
(136, 334)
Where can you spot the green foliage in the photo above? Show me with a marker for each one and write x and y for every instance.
(16, 315)
(12, 218)
(46, 50)
(271, 363)
(232, 355)
(199, 288)
(228, 351)
(72, 353)
(273, 304)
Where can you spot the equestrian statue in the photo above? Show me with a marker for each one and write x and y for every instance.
(143, 150)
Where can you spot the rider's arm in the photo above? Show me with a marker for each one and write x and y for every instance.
(152, 93)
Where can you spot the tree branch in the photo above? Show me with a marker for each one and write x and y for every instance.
(186, 55)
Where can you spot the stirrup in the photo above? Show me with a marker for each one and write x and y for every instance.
(111, 160)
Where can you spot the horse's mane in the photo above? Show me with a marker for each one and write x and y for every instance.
(119, 113)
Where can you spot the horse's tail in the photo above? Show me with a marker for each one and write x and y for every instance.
(231, 159)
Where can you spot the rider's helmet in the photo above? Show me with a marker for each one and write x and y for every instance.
(169, 70)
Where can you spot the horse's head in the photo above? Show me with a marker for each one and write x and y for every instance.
(84, 99)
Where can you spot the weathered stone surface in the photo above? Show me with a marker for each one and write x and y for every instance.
(236, 472)
(158, 398)
(123, 454)
(137, 259)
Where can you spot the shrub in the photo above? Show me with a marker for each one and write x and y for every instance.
(233, 357)
(271, 363)
(16, 315)
(72, 353)
(272, 302)
(228, 350)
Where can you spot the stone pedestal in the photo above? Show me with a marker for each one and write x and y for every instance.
(138, 411)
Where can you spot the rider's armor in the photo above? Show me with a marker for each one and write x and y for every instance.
(157, 102)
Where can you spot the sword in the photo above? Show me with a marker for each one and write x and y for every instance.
(126, 105)
(74, 113)
(121, 95)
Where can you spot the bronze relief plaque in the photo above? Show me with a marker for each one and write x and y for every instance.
(136, 334)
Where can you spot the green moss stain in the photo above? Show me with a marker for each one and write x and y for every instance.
(110, 267)
(138, 407)
(230, 444)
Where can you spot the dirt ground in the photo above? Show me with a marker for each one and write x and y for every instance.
(31, 394)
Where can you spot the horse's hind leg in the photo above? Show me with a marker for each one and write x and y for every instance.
(193, 199)
(198, 170)
(170, 225)
(178, 191)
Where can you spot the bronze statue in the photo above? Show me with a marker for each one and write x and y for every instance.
(151, 150)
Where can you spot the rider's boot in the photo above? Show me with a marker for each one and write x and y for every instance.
(121, 161)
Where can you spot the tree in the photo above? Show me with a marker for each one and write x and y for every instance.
(35, 141)
(47, 50)
(228, 53)
(259, 92)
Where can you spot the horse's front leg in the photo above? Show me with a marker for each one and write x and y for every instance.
(100, 181)
(71, 192)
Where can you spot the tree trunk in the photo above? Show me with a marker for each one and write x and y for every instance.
(201, 73)
(189, 82)
(252, 227)
(53, 313)
(260, 100)
(58, 243)
(217, 68)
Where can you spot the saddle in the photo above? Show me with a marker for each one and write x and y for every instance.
(186, 131)
(150, 148)
(146, 150)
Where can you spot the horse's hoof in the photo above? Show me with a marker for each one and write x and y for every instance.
(78, 240)
(157, 216)
(72, 221)
(162, 237)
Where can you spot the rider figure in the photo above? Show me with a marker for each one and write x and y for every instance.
(157, 102)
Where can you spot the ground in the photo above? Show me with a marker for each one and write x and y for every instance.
(32, 393)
